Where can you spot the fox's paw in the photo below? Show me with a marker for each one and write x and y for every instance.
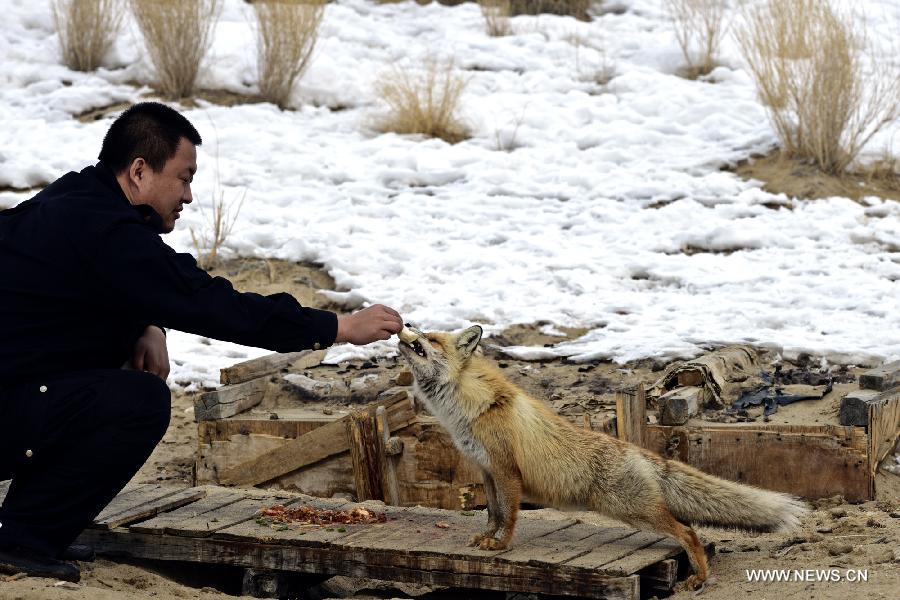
(491, 543)
(694, 582)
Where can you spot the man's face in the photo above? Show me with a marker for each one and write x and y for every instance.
(170, 189)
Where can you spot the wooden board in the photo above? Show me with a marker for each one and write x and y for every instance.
(318, 444)
(229, 400)
(271, 363)
(167, 520)
(142, 510)
(807, 461)
(134, 495)
(884, 428)
(434, 570)
(631, 416)
(557, 555)
(882, 378)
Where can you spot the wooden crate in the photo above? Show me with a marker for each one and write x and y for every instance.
(409, 459)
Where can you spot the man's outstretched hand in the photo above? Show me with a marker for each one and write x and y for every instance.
(377, 322)
(150, 352)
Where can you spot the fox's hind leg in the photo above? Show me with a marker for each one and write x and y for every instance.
(508, 492)
(662, 521)
(493, 509)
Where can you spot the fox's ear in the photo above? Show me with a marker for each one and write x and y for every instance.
(467, 341)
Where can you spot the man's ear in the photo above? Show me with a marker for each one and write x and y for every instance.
(467, 341)
(137, 170)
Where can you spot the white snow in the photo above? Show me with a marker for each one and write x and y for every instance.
(572, 204)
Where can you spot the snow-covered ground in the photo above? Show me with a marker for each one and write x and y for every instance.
(570, 204)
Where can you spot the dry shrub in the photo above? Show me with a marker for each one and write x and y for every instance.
(177, 34)
(425, 101)
(496, 16)
(209, 240)
(824, 98)
(287, 34)
(699, 26)
(87, 29)
(601, 70)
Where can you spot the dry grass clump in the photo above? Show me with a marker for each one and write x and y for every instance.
(287, 33)
(209, 240)
(824, 98)
(177, 34)
(699, 27)
(87, 29)
(496, 16)
(425, 101)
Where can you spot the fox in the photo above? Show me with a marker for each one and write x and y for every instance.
(523, 447)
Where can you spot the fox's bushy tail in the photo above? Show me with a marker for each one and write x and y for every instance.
(697, 498)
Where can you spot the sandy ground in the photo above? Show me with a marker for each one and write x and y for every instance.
(839, 539)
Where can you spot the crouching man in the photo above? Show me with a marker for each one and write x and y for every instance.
(86, 285)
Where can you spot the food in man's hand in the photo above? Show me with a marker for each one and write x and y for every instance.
(408, 335)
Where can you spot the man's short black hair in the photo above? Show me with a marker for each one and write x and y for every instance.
(149, 130)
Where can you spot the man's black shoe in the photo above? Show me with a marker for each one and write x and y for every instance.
(22, 560)
(79, 552)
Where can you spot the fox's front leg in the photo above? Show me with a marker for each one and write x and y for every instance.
(508, 492)
(493, 509)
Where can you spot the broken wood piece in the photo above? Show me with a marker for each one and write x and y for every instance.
(316, 445)
(882, 378)
(229, 400)
(389, 482)
(363, 442)
(855, 407)
(631, 415)
(679, 405)
(271, 363)
(884, 429)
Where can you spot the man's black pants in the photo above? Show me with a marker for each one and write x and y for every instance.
(70, 443)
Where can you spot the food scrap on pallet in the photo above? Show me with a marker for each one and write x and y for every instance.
(280, 516)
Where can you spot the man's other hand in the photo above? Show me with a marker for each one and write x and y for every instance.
(150, 352)
(377, 322)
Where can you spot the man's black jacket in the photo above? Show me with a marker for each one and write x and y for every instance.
(83, 272)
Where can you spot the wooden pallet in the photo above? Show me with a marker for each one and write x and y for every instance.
(559, 556)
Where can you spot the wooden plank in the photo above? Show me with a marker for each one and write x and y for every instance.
(556, 547)
(639, 559)
(314, 446)
(229, 400)
(608, 548)
(362, 437)
(145, 510)
(426, 570)
(206, 524)
(884, 428)
(882, 378)
(250, 531)
(659, 579)
(132, 496)
(772, 459)
(680, 404)
(856, 406)
(161, 523)
(631, 415)
(271, 363)
(390, 490)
